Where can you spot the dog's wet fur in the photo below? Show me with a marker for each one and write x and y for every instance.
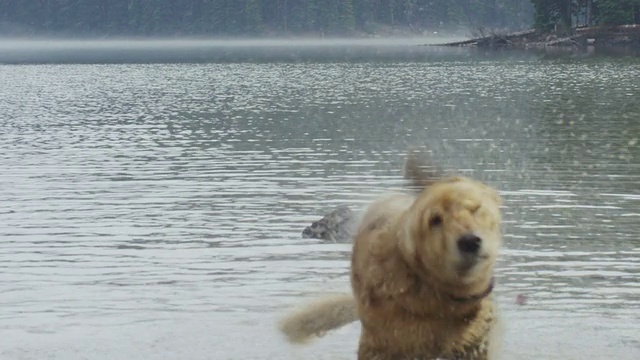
(421, 273)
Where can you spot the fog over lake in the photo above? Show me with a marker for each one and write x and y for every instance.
(31, 50)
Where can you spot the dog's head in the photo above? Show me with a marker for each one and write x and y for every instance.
(453, 231)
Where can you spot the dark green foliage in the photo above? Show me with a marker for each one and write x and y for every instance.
(547, 14)
(617, 12)
(254, 17)
(565, 14)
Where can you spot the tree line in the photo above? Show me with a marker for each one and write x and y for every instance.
(567, 14)
(330, 17)
(254, 17)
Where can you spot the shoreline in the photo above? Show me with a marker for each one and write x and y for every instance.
(586, 38)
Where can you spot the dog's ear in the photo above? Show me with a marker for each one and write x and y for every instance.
(415, 227)
(406, 235)
(411, 230)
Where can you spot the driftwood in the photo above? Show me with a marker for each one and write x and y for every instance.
(565, 41)
(493, 40)
(598, 30)
(581, 37)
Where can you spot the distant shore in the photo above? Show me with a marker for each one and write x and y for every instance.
(623, 36)
(397, 46)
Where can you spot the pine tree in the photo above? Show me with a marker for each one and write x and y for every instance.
(347, 18)
(252, 17)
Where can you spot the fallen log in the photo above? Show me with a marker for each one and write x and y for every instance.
(494, 40)
(565, 41)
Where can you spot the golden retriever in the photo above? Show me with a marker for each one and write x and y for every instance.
(421, 275)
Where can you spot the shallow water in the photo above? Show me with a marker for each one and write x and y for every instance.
(155, 211)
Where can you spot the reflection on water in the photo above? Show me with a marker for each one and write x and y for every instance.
(159, 207)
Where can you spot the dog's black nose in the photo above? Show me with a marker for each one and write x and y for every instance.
(469, 244)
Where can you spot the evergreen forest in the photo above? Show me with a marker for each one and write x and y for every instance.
(292, 17)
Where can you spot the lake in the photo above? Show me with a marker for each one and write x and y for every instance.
(154, 209)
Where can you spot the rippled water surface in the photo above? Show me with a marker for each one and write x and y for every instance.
(155, 211)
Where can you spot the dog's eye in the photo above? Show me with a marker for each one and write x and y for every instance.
(435, 220)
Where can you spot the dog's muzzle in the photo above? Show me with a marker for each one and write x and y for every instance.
(469, 244)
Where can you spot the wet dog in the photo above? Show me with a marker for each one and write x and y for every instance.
(421, 275)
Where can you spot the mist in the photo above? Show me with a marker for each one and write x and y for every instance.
(192, 50)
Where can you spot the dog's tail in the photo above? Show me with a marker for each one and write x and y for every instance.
(319, 317)
(420, 169)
